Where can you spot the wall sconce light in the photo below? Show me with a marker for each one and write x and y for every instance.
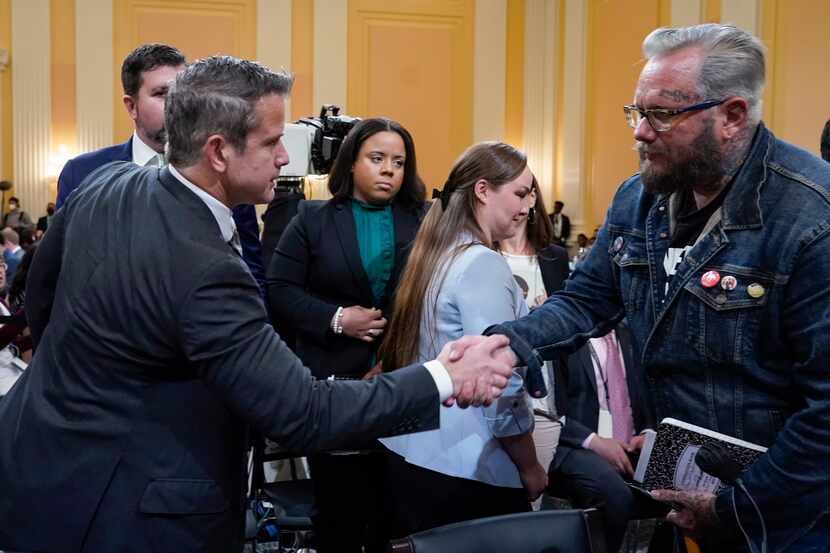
(57, 160)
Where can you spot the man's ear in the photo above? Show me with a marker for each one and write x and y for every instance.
(216, 151)
(130, 105)
(736, 110)
(482, 190)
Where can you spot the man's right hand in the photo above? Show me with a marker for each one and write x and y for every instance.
(614, 452)
(481, 373)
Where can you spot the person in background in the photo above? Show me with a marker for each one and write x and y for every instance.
(15, 217)
(543, 268)
(146, 74)
(479, 460)
(15, 339)
(332, 278)
(43, 222)
(561, 224)
(12, 252)
(606, 411)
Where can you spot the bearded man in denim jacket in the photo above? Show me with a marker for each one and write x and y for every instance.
(718, 255)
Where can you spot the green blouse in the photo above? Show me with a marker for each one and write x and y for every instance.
(376, 240)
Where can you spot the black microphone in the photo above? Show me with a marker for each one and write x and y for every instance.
(715, 459)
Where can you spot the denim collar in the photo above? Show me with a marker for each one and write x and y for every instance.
(742, 205)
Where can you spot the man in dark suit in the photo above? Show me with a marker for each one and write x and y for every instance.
(145, 75)
(592, 456)
(128, 431)
(561, 224)
(43, 222)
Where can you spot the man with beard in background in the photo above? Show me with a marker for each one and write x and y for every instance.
(146, 74)
(717, 255)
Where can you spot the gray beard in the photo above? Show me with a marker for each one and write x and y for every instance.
(703, 169)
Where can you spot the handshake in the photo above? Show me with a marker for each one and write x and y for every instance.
(479, 367)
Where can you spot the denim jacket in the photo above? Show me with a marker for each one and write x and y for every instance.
(752, 362)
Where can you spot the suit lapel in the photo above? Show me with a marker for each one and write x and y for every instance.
(584, 356)
(124, 152)
(347, 235)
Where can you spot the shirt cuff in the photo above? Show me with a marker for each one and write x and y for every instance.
(441, 377)
(587, 441)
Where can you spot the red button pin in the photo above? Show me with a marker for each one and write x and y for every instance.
(710, 279)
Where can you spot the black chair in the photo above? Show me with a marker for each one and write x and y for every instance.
(572, 531)
(292, 501)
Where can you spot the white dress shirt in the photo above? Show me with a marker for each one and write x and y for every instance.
(227, 226)
(144, 155)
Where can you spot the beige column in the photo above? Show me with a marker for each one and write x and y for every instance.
(490, 62)
(686, 12)
(93, 74)
(741, 13)
(330, 53)
(273, 43)
(541, 24)
(32, 106)
(570, 181)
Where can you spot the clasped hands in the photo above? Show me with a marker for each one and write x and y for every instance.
(479, 367)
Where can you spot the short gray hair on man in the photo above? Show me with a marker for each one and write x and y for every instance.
(734, 64)
(216, 95)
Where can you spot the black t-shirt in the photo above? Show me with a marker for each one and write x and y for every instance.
(689, 223)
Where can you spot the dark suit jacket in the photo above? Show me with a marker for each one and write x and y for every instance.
(553, 262)
(316, 268)
(566, 226)
(77, 169)
(128, 431)
(582, 408)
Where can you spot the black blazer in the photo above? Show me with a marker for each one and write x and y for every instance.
(129, 429)
(582, 403)
(553, 262)
(316, 268)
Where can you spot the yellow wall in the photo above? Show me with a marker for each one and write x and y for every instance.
(412, 61)
(797, 103)
(198, 28)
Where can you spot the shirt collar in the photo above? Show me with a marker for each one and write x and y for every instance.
(221, 212)
(142, 153)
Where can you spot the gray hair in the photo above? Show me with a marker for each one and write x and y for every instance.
(734, 60)
(216, 95)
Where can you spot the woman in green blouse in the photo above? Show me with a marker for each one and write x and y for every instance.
(331, 279)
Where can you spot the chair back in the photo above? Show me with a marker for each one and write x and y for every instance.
(569, 531)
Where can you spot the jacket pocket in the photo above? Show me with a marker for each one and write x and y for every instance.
(724, 319)
(627, 249)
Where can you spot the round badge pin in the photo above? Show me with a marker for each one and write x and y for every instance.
(755, 290)
(729, 282)
(618, 243)
(709, 279)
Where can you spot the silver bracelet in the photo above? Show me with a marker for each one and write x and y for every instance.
(337, 321)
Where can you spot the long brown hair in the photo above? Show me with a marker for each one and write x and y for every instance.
(539, 229)
(432, 252)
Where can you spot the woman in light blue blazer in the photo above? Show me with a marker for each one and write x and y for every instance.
(481, 462)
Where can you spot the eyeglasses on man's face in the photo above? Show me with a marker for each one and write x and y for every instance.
(662, 119)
